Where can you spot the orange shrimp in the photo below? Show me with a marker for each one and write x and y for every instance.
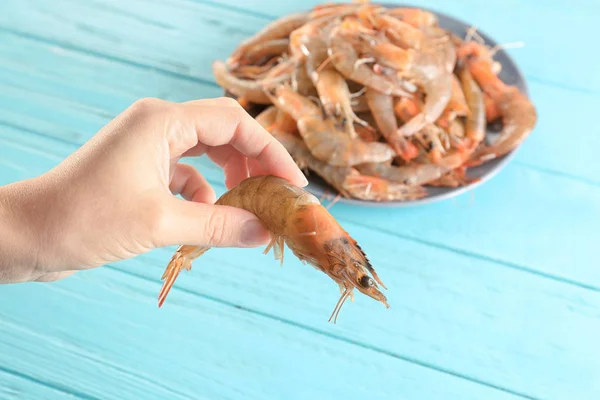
(406, 108)
(347, 180)
(475, 125)
(285, 123)
(261, 50)
(399, 32)
(455, 178)
(254, 72)
(331, 86)
(519, 115)
(382, 109)
(392, 56)
(436, 81)
(346, 60)
(324, 140)
(422, 174)
(250, 90)
(268, 117)
(412, 175)
(367, 133)
(492, 113)
(415, 17)
(295, 218)
(278, 29)
(457, 106)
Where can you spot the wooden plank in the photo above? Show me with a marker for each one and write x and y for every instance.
(71, 95)
(123, 347)
(178, 35)
(458, 314)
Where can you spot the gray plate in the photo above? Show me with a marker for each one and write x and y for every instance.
(510, 74)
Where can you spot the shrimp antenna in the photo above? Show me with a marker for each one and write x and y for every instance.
(338, 306)
(335, 200)
(329, 59)
(359, 93)
(361, 61)
(502, 46)
(472, 34)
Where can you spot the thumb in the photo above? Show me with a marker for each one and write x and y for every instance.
(201, 224)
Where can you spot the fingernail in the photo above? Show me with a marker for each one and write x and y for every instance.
(304, 180)
(254, 233)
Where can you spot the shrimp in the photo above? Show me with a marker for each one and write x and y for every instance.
(347, 180)
(399, 32)
(391, 56)
(454, 178)
(429, 70)
(261, 50)
(332, 87)
(406, 108)
(359, 103)
(324, 140)
(428, 59)
(382, 109)
(475, 125)
(414, 16)
(285, 123)
(278, 29)
(268, 117)
(250, 90)
(422, 174)
(295, 218)
(346, 60)
(492, 113)
(457, 106)
(413, 175)
(254, 72)
(519, 115)
(302, 82)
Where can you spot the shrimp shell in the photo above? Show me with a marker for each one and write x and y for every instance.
(251, 90)
(295, 218)
(278, 29)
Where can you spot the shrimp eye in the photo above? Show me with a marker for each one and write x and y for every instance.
(366, 281)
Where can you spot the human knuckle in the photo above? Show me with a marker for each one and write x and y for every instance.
(156, 216)
(230, 102)
(147, 104)
(217, 228)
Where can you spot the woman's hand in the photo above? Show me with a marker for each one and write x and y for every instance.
(114, 197)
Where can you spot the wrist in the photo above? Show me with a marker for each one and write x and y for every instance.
(22, 222)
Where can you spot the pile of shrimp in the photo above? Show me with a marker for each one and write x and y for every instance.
(379, 102)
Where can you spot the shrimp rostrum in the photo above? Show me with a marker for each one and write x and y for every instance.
(297, 219)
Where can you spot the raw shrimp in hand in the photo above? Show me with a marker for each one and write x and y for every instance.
(114, 198)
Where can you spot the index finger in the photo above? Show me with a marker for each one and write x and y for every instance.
(223, 121)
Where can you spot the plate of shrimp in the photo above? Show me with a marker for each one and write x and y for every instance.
(383, 105)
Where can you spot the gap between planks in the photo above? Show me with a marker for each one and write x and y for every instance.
(330, 335)
(50, 385)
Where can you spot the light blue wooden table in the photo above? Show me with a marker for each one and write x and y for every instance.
(495, 294)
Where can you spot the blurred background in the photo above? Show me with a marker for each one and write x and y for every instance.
(494, 294)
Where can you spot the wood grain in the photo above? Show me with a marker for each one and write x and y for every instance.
(498, 298)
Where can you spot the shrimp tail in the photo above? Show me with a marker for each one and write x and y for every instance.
(182, 259)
